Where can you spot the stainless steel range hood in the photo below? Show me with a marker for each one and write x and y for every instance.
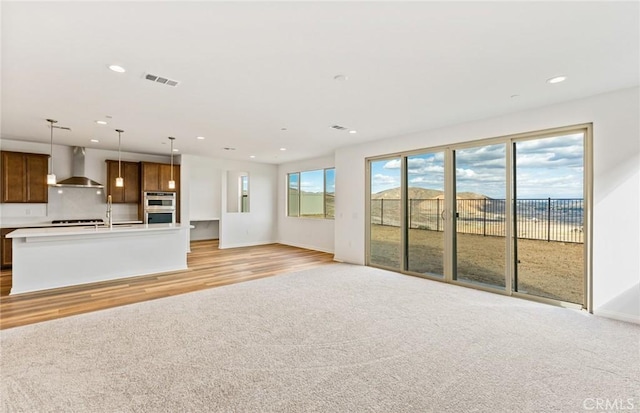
(79, 178)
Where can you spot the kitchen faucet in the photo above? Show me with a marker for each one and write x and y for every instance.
(109, 213)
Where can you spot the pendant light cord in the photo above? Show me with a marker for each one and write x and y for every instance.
(172, 139)
(119, 156)
(51, 151)
(51, 122)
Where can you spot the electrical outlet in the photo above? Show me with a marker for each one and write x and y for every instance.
(27, 211)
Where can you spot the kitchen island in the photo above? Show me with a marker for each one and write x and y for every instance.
(45, 258)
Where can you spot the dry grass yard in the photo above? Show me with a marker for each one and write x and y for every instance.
(546, 269)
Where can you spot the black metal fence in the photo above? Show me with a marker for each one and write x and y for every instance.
(542, 219)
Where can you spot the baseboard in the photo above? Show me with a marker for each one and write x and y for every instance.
(246, 244)
(307, 247)
(629, 318)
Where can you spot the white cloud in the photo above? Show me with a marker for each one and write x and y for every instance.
(392, 164)
(382, 182)
(428, 169)
(424, 164)
(430, 182)
(310, 186)
(465, 173)
(384, 179)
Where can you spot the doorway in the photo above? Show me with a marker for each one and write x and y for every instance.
(548, 217)
(507, 214)
(480, 215)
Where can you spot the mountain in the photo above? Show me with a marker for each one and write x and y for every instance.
(423, 193)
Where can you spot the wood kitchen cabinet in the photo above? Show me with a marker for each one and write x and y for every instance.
(24, 177)
(130, 192)
(156, 176)
(6, 247)
(165, 176)
(150, 176)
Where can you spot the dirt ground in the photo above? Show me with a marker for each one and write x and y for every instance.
(545, 269)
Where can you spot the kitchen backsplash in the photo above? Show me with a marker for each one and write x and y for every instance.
(66, 203)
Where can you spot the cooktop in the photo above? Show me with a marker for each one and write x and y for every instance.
(78, 221)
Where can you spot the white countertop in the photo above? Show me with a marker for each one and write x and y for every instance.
(57, 231)
(50, 225)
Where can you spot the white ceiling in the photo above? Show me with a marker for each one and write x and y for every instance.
(247, 70)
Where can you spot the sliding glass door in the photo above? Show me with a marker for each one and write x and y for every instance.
(506, 214)
(385, 215)
(549, 217)
(480, 215)
(426, 204)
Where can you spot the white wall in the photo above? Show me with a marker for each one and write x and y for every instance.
(315, 234)
(200, 187)
(234, 229)
(616, 214)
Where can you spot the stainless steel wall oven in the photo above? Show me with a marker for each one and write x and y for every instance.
(159, 207)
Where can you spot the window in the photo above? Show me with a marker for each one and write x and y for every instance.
(329, 192)
(244, 190)
(293, 182)
(311, 194)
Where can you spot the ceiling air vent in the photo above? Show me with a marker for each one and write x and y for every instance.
(160, 79)
(338, 127)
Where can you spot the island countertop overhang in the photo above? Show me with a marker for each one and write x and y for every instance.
(90, 230)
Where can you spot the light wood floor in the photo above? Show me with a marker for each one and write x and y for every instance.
(208, 267)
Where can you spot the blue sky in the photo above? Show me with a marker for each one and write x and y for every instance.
(313, 181)
(550, 167)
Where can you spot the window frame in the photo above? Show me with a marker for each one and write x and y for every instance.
(288, 201)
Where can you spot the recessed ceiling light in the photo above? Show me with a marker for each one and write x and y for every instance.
(283, 128)
(515, 96)
(200, 138)
(117, 68)
(228, 148)
(101, 122)
(353, 131)
(557, 79)
(95, 140)
(252, 156)
(283, 149)
(340, 78)
(176, 150)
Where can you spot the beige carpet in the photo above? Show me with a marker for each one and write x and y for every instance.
(335, 339)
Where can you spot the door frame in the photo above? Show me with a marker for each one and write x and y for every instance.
(450, 202)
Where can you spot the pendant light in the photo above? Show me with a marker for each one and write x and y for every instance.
(51, 178)
(172, 183)
(119, 180)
